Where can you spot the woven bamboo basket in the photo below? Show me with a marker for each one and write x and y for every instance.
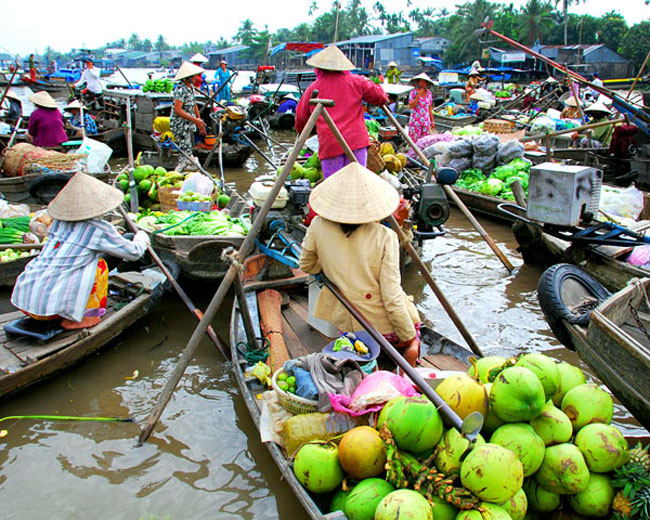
(375, 162)
(498, 126)
(294, 403)
(167, 196)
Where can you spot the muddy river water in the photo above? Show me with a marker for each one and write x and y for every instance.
(205, 459)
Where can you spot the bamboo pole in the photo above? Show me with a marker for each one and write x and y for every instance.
(411, 251)
(645, 62)
(570, 130)
(227, 281)
(452, 194)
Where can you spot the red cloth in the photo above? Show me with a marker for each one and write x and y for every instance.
(347, 91)
(46, 127)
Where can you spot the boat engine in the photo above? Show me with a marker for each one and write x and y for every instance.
(232, 118)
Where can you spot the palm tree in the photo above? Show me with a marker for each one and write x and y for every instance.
(565, 16)
(465, 21)
(246, 32)
(536, 20)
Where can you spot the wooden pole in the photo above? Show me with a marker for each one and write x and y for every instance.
(123, 75)
(11, 139)
(227, 281)
(11, 80)
(198, 314)
(645, 62)
(570, 130)
(452, 194)
(411, 251)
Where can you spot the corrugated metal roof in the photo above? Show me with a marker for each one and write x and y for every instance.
(372, 38)
(230, 50)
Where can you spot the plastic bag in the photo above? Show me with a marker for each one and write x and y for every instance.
(198, 183)
(461, 164)
(510, 150)
(272, 418)
(486, 144)
(621, 202)
(13, 210)
(543, 125)
(436, 149)
(461, 148)
(40, 223)
(484, 162)
(371, 394)
(98, 154)
(640, 255)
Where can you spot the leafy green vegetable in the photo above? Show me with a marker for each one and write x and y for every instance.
(373, 127)
(491, 187)
(503, 172)
(520, 165)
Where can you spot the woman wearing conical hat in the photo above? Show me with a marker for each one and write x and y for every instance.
(421, 121)
(68, 280)
(348, 91)
(185, 114)
(45, 126)
(360, 256)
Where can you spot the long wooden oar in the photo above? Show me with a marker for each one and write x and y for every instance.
(11, 80)
(571, 130)
(179, 290)
(637, 77)
(452, 194)
(227, 281)
(446, 304)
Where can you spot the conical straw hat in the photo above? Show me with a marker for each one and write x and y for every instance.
(551, 79)
(11, 94)
(188, 70)
(571, 101)
(392, 64)
(598, 107)
(198, 58)
(354, 195)
(84, 197)
(422, 75)
(43, 99)
(331, 58)
(73, 104)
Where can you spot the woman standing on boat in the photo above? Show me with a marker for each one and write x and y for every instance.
(348, 91)
(45, 126)
(185, 114)
(221, 77)
(360, 256)
(421, 104)
(69, 279)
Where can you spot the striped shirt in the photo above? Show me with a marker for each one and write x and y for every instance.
(60, 279)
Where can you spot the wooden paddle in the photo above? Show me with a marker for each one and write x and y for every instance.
(222, 291)
(198, 314)
(452, 194)
(412, 252)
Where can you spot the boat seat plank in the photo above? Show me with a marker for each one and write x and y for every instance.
(294, 345)
(634, 331)
(11, 316)
(312, 340)
(445, 362)
(299, 310)
(9, 361)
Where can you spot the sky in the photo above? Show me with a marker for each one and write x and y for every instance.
(92, 24)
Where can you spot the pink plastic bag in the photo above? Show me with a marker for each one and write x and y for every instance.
(371, 394)
(640, 255)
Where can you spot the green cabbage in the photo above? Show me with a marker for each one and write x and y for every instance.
(503, 172)
(520, 165)
(491, 187)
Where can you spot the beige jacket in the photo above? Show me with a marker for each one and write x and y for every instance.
(365, 266)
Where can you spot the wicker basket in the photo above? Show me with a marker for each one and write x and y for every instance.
(295, 404)
(498, 126)
(167, 196)
(375, 162)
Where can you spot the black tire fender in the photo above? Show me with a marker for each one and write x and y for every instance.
(556, 310)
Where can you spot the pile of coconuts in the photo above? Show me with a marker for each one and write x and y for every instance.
(547, 449)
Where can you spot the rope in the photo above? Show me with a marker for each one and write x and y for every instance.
(253, 355)
(230, 255)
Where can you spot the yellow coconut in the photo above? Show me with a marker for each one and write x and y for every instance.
(464, 395)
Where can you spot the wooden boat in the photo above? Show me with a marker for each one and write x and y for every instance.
(199, 256)
(447, 123)
(484, 205)
(25, 361)
(614, 342)
(438, 352)
(9, 271)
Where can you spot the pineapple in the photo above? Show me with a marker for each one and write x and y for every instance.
(639, 455)
(633, 501)
(621, 505)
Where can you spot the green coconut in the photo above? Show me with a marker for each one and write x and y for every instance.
(404, 504)
(538, 498)
(545, 369)
(491, 420)
(338, 500)
(517, 395)
(451, 448)
(517, 506)
(492, 472)
(362, 453)
(442, 510)
(365, 497)
(486, 511)
(317, 467)
(595, 499)
(570, 376)
(603, 447)
(414, 422)
(484, 365)
(586, 404)
(564, 470)
(522, 439)
(552, 425)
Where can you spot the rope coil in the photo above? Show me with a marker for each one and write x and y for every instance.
(231, 256)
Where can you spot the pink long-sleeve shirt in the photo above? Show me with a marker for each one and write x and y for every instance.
(347, 91)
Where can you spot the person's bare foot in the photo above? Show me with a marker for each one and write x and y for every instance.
(87, 322)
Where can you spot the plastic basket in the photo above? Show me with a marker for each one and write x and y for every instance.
(193, 205)
(295, 404)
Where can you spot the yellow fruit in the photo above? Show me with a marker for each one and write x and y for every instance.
(393, 164)
(464, 395)
(402, 159)
(386, 149)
